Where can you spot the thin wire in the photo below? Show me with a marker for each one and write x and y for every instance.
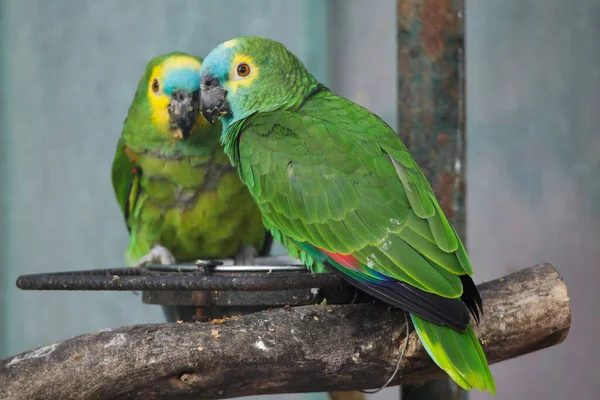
(397, 364)
(355, 296)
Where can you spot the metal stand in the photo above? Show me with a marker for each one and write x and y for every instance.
(208, 290)
(432, 118)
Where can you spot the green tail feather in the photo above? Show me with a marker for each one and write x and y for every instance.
(459, 354)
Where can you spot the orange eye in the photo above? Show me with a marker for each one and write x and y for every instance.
(155, 85)
(243, 70)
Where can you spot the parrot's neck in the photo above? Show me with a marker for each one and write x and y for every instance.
(232, 126)
(201, 141)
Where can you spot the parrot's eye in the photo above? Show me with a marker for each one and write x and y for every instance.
(243, 70)
(155, 85)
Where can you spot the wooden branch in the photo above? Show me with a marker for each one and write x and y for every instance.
(291, 350)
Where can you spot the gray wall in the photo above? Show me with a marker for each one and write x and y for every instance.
(363, 54)
(533, 169)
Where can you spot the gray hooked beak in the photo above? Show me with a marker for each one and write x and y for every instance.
(213, 99)
(183, 111)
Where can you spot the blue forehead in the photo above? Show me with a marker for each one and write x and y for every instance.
(217, 63)
(186, 79)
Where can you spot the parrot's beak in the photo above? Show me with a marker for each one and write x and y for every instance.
(213, 100)
(183, 111)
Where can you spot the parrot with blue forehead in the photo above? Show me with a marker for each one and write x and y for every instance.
(338, 188)
(180, 197)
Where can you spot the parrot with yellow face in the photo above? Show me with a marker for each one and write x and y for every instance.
(180, 197)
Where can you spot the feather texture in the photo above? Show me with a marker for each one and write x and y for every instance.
(339, 189)
(181, 194)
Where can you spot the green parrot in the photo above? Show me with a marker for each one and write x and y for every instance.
(180, 196)
(338, 188)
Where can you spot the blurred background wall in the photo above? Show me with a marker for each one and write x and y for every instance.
(69, 68)
(533, 164)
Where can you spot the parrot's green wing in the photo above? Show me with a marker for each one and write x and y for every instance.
(338, 182)
(346, 184)
(125, 180)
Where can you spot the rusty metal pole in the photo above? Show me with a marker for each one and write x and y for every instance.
(431, 117)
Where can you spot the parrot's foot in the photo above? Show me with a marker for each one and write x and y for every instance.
(246, 256)
(158, 255)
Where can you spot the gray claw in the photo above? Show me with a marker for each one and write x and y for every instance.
(158, 255)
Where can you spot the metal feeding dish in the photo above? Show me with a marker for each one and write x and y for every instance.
(208, 289)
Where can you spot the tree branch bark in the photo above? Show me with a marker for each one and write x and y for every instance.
(291, 350)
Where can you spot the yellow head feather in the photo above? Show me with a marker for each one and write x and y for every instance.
(159, 101)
